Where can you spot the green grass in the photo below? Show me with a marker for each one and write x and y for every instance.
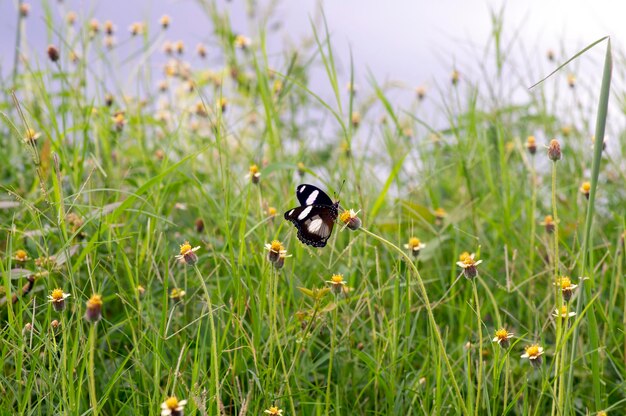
(101, 209)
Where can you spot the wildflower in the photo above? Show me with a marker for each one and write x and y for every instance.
(165, 21)
(407, 132)
(94, 27)
(550, 55)
(571, 80)
(24, 9)
(454, 78)
(352, 88)
(563, 313)
(254, 174)
(531, 145)
(355, 119)
(275, 248)
(585, 188)
(180, 47)
(55, 324)
(440, 215)
(168, 48)
(70, 18)
(173, 407)
(277, 87)
(271, 212)
(177, 294)
(31, 135)
(280, 263)
(119, 120)
(273, 411)
(57, 298)
(201, 50)
(549, 223)
(502, 337)
(566, 130)
(136, 28)
(53, 53)
(242, 42)
(554, 150)
(602, 413)
(222, 103)
(74, 57)
(187, 254)
(94, 308)
(27, 330)
(349, 217)
(337, 284)
(109, 42)
(468, 264)
(109, 29)
(565, 283)
(21, 256)
(108, 100)
(421, 92)
(199, 225)
(301, 169)
(414, 246)
(533, 353)
(163, 86)
(141, 290)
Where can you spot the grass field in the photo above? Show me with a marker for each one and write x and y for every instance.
(103, 185)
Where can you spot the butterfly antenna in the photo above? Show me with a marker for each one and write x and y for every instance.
(338, 193)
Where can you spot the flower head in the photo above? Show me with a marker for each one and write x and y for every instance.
(350, 219)
(119, 120)
(177, 294)
(242, 42)
(563, 313)
(549, 223)
(24, 9)
(585, 189)
(468, 264)
(187, 253)
(550, 55)
(165, 21)
(273, 411)
(70, 18)
(275, 249)
(173, 407)
(355, 119)
(31, 135)
(554, 150)
(53, 53)
(337, 284)
(533, 353)
(253, 174)
(180, 47)
(567, 287)
(57, 298)
(454, 77)
(531, 145)
(502, 337)
(421, 92)
(571, 80)
(94, 308)
(414, 246)
(201, 50)
(440, 214)
(21, 255)
(109, 28)
(136, 28)
(301, 169)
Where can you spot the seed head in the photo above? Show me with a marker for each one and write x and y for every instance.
(554, 150)
(350, 219)
(53, 53)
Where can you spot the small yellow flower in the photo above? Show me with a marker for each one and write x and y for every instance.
(549, 223)
(222, 104)
(119, 120)
(440, 214)
(187, 254)
(253, 174)
(136, 28)
(566, 130)
(94, 26)
(301, 169)
(565, 283)
(355, 119)
(242, 42)
(180, 47)
(502, 337)
(533, 353)
(165, 21)
(94, 308)
(173, 407)
(277, 87)
(31, 135)
(70, 18)
(414, 246)
(271, 212)
(275, 250)
(571, 80)
(352, 88)
(421, 92)
(274, 411)
(337, 284)
(57, 298)
(109, 28)
(563, 313)
(585, 188)
(21, 255)
(531, 145)
(350, 219)
(602, 413)
(468, 264)
(201, 50)
(177, 294)
(454, 78)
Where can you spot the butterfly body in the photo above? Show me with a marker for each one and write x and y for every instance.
(315, 217)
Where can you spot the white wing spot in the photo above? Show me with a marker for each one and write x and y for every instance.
(301, 189)
(304, 213)
(315, 225)
(290, 212)
(312, 197)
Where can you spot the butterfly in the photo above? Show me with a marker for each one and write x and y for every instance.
(315, 217)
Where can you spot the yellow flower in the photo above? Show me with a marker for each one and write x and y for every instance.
(414, 246)
(549, 223)
(94, 308)
(136, 28)
(201, 50)
(502, 337)
(177, 294)
(165, 21)
(242, 42)
(57, 298)
(173, 407)
(533, 353)
(531, 144)
(565, 283)
(70, 18)
(253, 174)
(180, 47)
(563, 313)
(187, 254)
(440, 214)
(468, 264)
(571, 80)
(454, 78)
(31, 135)
(275, 250)
(421, 92)
(585, 188)
(350, 219)
(109, 28)
(355, 119)
(271, 212)
(21, 255)
(273, 411)
(337, 284)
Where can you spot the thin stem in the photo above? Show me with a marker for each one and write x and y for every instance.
(479, 378)
(431, 317)
(91, 369)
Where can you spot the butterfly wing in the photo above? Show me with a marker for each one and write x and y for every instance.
(313, 222)
(312, 195)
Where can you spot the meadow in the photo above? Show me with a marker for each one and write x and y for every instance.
(147, 267)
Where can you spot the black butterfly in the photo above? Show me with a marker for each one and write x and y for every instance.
(315, 217)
